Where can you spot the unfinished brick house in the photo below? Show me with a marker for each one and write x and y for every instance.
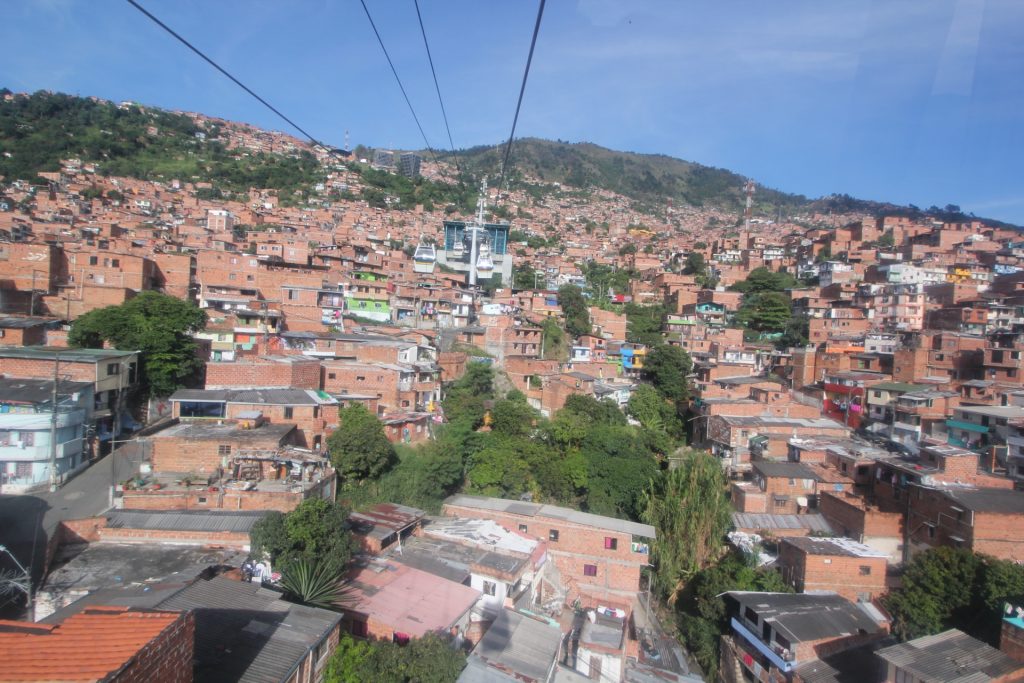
(598, 558)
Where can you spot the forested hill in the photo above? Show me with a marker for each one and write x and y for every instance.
(38, 131)
(651, 179)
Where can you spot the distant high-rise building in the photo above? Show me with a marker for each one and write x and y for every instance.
(384, 158)
(409, 164)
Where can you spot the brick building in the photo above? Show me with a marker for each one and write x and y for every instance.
(115, 644)
(840, 565)
(985, 520)
(312, 413)
(773, 636)
(113, 375)
(598, 558)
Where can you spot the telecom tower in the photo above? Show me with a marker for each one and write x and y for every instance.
(347, 147)
(749, 190)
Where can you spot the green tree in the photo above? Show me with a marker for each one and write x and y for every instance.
(954, 588)
(690, 509)
(653, 412)
(359, 448)
(695, 264)
(643, 324)
(765, 312)
(594, 411)
(667, 368)
(315, 532)
(526, 277)
(556, 346)
(761, 279)
(513, 416)
(465, 398)
(430, 659)
(158, 326)
(574, 308)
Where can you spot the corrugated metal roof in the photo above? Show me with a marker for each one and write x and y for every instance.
(752, 521)
(247, 633)
(517, 507)
(515, 647)
(184, 520)
(952, 657)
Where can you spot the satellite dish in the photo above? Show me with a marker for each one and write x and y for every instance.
(801, 501)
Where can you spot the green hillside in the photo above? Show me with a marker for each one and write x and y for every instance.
(38, 131)
(651, 179)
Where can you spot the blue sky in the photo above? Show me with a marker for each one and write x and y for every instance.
(907, 101)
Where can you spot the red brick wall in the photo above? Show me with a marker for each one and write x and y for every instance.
(299, 374)
(577, 545)
(225, 539)
(43, 369)
(850, 517)
(1011, 641)
(838, 573)
(998, 535)
(184, 455)
(165, 659)
(230, 500)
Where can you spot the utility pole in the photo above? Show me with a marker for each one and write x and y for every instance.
(53, 425)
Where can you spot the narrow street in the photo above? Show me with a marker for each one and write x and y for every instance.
(27, 522)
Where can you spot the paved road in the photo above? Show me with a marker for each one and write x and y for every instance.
(27, 522)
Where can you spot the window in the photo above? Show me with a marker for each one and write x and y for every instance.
(331, 375)
(611, 543)
(590, 570)
(27, 438)
(780, 502)
(113, 369)
(94, 261)
(522, 528)
(360, 378)
(750, 615)
(224, 449)
(490, 588)
(116, 263)
(553, 535)
(865, 570)
(931, 531)
(202, 499)
(288, 412)
(827, 560)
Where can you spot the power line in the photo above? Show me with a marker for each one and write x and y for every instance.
(437, 87)
(219, 68)
(400, 86)
(522, 89)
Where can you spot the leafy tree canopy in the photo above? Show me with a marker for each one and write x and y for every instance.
(359, 448)
(667, 368)
(763, 280)
(643, 324)
(575, 310)
(157, 325)
(947, 588)
(766, 312)
(315, 532)
(430, 659)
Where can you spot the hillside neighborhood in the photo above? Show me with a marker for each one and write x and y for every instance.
(547, 432)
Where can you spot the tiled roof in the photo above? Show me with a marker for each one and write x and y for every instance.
(85, 647)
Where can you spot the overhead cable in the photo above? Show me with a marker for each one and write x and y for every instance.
(224, 71)
(519, 104)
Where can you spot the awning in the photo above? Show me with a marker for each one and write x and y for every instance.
(967, 426)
